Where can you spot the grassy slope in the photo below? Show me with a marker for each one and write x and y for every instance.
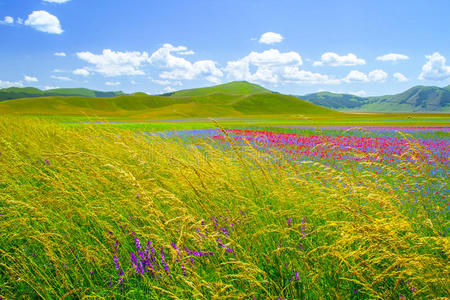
(70, 194)
(145, 106)
(234, 88)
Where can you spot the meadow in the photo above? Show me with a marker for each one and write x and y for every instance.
(299, 207)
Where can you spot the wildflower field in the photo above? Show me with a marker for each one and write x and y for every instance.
(232, 212)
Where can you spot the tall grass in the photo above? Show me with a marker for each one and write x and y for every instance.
(74, 198)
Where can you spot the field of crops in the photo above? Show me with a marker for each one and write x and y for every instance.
(253, 212)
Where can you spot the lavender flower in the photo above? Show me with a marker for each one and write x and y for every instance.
(163, 260)
(289, 220)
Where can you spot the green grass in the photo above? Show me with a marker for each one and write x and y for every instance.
(141, 106)
(68, 194)
(233, 88)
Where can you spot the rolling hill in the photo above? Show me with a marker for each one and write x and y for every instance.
(233, 88)
(30, 92)
(415, 99)
(201, 103)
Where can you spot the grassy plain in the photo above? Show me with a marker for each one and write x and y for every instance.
(77, 198)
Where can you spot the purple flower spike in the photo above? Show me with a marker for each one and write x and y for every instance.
(174, 246)
(137, 244)
(110, 281)
(163, 260)
(289, 221)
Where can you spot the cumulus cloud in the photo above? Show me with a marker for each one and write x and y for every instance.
(178, 68)
(45, 22)
(30, 78)
(378, 76)
(114, 63)
(294, 74)
(112, 83)
(270, 66)
(81, 72)
(335, 60)
(168, 89)
(56, 1)
(166, 82)
(7, 84)
(392, 57)
(400, 77)
(189, 52)
(270, 38)
(356, 76)
(435, 68)
(62, 54)
(62, 78)
(7, 20)
(48, 87)
(360, 93)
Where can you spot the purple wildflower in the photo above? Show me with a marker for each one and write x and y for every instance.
(228, 249)
(163, 260)
(137, 244)
(289, 220)
(110, 281)
(225, 231)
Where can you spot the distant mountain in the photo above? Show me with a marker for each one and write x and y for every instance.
(234, 99)
(29, 92)
(232, 88)
(416, 99)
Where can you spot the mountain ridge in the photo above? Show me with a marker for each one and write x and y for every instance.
(416, 99)
(31, 92)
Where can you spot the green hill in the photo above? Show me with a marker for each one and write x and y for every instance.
(29, 92)
(233, 88)
(416, 99)
(140, 106)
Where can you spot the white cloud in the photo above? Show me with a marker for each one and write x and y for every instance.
(400, 77)
(270, 38)
(392, 57)
(111, 63)
(81, 72)
(7, 20)
(178, 68)
(168, 89)
(7, 84)
(335, 60)
(112, 83)
(270, 66)
(19, 21)
(435, 68)
(57, 1)
(356, 76)
(378, 76)
(360, 93)
(166, 82)
(48, 87)
(45, 22)
(30, 78)
(63, 78)
(374, 76)
(62, 54)
(293, 74)
(189, 52)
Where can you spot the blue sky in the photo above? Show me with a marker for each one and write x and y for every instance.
(297, 47)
